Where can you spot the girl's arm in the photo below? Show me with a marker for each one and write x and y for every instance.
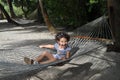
(68, 54)
(47, 46)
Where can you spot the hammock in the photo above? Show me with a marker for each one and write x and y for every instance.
(23, 21)
(83, 40)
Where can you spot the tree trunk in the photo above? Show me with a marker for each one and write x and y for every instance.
(7, 15)
(39, 15)
(1, 14)
(11, 8)
(114, 19)
(46, 18)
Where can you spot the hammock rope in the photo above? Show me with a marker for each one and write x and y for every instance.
(84, 40)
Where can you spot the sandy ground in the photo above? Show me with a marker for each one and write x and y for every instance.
(16, 42)
(19, 41)
(10, 33)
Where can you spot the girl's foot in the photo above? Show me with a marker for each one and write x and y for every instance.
(28, 60)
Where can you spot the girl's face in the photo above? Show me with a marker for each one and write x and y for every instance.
(63, 42)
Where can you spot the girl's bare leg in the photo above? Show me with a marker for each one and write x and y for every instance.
(43, 55)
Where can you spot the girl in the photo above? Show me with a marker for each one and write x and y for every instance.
(61, 46)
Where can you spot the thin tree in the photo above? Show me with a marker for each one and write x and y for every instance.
(11, 8)
(7, 15)
(46, 18)
(25, 7)
(114, 19)
(1, 14)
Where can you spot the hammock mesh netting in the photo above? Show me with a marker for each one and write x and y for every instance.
(84, 39)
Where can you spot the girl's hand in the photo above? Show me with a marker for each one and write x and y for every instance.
(63, 58)
(40, 46)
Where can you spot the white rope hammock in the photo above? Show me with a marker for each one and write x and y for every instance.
(84, 39)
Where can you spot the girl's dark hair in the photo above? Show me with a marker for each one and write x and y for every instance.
(62, 35)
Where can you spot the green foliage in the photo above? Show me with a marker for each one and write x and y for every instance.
(93, 1)
(74, 12)
(69, 13)
(96, 9)
(65, 12)
(18, 11)
(3, 1)
(17, 6)
(27, 6)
